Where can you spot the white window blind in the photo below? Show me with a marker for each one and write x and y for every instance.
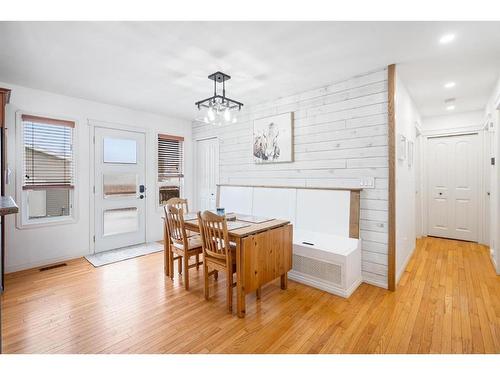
(170, 157)
(48, 153)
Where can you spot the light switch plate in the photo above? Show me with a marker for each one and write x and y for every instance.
(367, 182)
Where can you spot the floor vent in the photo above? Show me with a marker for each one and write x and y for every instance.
(53, 266)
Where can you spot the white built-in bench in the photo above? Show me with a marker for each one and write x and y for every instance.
(326, 244)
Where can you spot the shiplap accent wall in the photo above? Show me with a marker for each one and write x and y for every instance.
(340, 136)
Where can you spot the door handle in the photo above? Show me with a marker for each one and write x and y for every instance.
(440, 193)
(141, 196)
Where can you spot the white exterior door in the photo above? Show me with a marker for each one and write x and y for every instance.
(207, 173)
(119, 188)
(453, 175)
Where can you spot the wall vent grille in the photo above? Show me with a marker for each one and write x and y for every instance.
(318, 269)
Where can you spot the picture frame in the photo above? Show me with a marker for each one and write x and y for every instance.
(411, 151)
(273, 139)
(401, 147)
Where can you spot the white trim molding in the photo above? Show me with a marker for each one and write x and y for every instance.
(22, 222)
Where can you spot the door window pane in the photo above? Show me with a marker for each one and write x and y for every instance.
(52, 202)
(119, 185)
(117, 150)
(120, 220)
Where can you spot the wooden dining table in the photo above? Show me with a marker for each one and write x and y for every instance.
(263, 253)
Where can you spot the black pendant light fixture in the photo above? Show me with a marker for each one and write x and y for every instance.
(220, 109)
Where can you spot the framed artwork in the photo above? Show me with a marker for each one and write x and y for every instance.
(401, 147)
(273, 139)
(411, 151)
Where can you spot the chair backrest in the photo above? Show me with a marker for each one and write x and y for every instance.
(175, 224)
(179, 203)
(214, 236)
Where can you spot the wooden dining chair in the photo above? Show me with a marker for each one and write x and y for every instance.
(218, 253)
(181, 203)
(182, 247)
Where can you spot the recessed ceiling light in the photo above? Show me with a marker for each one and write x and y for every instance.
(447, 38)
(450, 104)
(449, 85)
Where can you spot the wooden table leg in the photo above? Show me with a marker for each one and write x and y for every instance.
(284, 281)
(258, 292)
(240, 290)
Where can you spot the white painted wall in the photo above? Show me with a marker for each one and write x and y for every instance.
(453, 122)
(407, 117)
(493, 116)
(37, 246)
(340, 136)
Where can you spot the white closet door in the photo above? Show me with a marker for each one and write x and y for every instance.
(453, 175)
(207, 173)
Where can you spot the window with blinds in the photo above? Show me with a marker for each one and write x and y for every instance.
(48, 153)
(48, 166)
(170, 167)
(170, 157)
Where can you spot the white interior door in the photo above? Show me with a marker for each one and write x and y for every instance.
(119, 188)
(453, 175)
(207, 173)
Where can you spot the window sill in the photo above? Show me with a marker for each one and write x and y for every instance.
(46, 223)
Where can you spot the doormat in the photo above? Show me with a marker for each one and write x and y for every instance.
(124, 253)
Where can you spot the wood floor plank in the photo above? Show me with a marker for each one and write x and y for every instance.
(447, 301)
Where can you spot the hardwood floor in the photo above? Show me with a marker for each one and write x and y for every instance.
(448, 301)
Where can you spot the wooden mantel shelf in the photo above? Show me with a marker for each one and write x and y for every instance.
(8, 206)
(295, 187)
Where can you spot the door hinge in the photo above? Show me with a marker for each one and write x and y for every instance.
(93, 139)
(94, 238)
(94, 189)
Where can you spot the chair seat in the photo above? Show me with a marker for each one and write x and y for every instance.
(193, 243)
(221, 262)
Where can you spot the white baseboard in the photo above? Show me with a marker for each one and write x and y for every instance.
(492, 257)
(405, 264)
(322, 285)
(374, 282)
(44, 262)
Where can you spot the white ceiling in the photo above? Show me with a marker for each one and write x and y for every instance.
(162, 67)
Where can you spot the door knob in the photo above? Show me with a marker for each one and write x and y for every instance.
(440, 193)
(141, 196)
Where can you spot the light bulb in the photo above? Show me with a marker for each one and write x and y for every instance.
(211, 114)
(446, 38)
(227, 115)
